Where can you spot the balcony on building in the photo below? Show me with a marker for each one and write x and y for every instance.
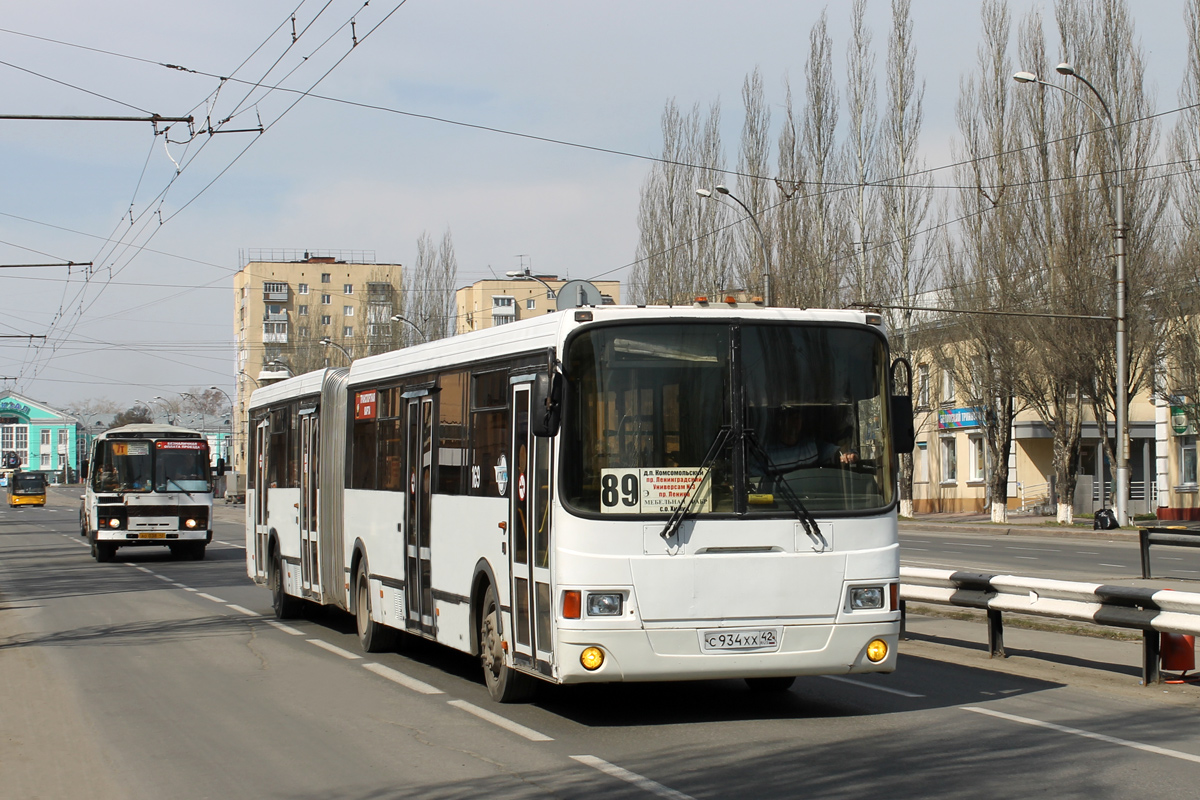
(275, 292)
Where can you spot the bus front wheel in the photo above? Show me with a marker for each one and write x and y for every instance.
(504, 683)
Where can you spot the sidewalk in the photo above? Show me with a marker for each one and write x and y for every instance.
(1017, 525)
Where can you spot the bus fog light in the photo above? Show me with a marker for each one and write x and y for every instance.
(864, 597)
(604, 605)
(877, 651)
(591, 658)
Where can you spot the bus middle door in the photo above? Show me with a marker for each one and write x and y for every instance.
(529, 540)
(309, 561)
(417, 587)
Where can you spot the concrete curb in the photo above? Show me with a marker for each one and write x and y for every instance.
(992, 529)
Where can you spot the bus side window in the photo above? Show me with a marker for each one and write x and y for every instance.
(488, 464)
(452, 433)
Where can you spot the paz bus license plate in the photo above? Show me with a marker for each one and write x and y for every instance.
(152, 536)
(740, 640)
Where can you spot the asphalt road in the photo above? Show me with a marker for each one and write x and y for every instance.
(153, 678)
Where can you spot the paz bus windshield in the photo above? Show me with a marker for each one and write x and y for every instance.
(143, 465)
(747, 419)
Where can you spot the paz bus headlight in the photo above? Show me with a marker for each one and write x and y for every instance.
(863, 598)
(606, 604)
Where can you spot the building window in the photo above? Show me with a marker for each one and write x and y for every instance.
(302, 331)
(347, 311)
(978, 459)
(1187, 460)
(348, 332)
(302, 311)
(275, 332)
(325, 276)
(348, 288)
(325, 319)
(326, 299)
(530, 304)
(949, 462)
(921, 463)
(302, 288)
(923, 386)
(948, 383)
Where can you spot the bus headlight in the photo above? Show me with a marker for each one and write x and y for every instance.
(604, 605)
(866, 597)
(191, 523)
(114, 523)
(591, 658)
(877, 651)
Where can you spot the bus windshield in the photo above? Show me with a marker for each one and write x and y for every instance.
(142, 465)
(664, 414)
(28, 483)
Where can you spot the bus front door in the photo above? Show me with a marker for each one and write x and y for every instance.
(309, 561)
(417, 588)
(529, 540)
(261, 438)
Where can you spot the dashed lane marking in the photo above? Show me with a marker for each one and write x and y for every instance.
(404, 680)
(1100, 737)
(207, 596)
(241, 610)
(285, 628)
(640, 781)
(868, 685)
(333, 648)
(496, 719)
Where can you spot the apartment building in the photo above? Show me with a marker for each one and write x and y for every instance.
(286, 302)
(487, 303)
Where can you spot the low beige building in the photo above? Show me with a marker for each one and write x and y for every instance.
(487, 303)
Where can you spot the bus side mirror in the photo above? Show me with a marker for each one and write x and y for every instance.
(83, 469)
(220, 467)
(546, 412)
(904, 437)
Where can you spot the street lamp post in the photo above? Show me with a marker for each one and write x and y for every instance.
(762, 240)
(327, 342)
(1122, 356)
(413, 325)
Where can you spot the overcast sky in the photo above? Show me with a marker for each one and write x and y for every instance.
(156, 318)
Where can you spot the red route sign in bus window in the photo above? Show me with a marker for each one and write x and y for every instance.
(365, 404)
(189, 445)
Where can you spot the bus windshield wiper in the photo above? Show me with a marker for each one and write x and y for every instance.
(782, 488)
(689, 497)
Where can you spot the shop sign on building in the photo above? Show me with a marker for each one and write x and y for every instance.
(953, 418)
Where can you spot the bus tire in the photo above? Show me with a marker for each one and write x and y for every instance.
(284, 605)
(104, 551)
(769, 685)
(504, 683)
(196, 551)
(375, 637)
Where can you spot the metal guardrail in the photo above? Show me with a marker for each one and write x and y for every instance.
(1182, 535)
(1152, 611)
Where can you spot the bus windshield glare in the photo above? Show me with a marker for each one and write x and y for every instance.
(749, 419)
(142, 465)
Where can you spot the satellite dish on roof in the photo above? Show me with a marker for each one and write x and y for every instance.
(574, 294)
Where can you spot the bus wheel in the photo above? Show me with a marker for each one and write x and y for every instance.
(103, 551)
(196, 551)
(504, 683)
(769, 685)
(285, 606)
(374, 637)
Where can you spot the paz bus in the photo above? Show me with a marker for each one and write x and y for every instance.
(593, 495)
(26, 489)
(147, 485)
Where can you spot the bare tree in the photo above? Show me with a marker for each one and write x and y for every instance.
(755, 192)
(861, 157)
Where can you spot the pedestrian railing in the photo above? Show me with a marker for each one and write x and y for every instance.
(1152, 611)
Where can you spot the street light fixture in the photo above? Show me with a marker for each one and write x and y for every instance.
(398, 318)
(762, 240)
(327, 342)
(1122, 356)
(526, 275)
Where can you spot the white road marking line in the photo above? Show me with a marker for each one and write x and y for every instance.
(231, 544)
(404, 680)
(1100, 737)
(1085, 553)
(867, 685)
(141, 569)
(1027, 558)
(190, 589)
(964, 544)
(1034, 549)
(496, 719)
(1118, 566)
(241, 610)
(640, 781)
(284, 628)
(178, 585)
(1170, 558)
(921, 549)
(162, 577)
(210, 597)
(333, 648)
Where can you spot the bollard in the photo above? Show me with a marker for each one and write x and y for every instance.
(1178, 652)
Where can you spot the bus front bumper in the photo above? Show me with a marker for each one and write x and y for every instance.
(676, 654)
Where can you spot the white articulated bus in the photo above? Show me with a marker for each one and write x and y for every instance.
(147, 485)
(599, 494)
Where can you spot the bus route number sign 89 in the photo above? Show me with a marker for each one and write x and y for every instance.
(655, 490)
